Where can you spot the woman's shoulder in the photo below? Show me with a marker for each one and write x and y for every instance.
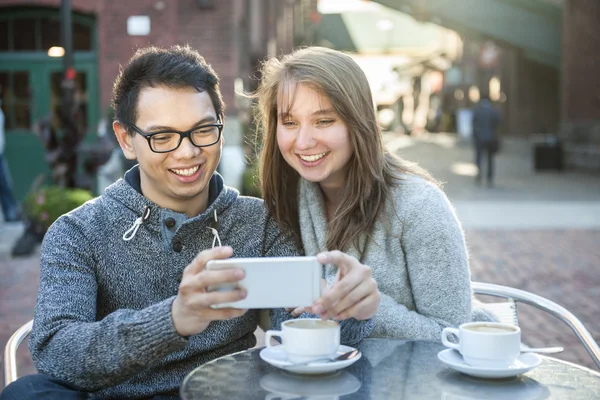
(413, 186)
(415, 194)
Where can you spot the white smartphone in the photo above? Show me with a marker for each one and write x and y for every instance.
(273, 282)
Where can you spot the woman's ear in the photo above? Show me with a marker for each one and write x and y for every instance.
(125, 140)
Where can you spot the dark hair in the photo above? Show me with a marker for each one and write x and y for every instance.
(175, 67)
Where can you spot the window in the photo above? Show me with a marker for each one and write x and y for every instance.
(3, 35)
(23, 34)
(40, 32)
(16, 98)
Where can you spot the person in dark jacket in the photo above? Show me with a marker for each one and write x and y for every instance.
(485, 136)
(123, 308)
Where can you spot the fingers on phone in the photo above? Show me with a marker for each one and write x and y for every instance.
(227, 313)
(216, 253)
(225, 296)
(223, 277)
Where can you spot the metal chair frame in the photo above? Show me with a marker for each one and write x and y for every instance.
(546, 305)
(10, 352)
(513, 295)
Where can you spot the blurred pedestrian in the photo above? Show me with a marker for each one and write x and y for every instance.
(9, 205)
(485, 136)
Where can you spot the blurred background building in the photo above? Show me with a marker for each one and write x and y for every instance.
(428, 62)
(233, 35)
(535, 58)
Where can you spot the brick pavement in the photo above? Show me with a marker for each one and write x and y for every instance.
(561, 265)
(18, 287)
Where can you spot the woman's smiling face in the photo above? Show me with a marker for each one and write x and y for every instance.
(312, 137)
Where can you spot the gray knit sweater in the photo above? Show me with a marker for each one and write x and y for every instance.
(417, 253)
(103, 313)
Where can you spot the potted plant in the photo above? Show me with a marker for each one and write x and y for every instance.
(42, 207)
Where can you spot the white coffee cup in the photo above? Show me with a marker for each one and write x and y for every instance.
(307, 339)
(486, 344)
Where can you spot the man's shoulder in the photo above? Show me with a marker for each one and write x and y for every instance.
(88, 214)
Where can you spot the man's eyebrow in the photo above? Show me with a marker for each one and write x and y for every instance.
(158, 128)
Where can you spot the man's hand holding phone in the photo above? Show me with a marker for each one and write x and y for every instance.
(191, 309)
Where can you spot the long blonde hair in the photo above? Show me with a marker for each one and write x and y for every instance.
(372, 170)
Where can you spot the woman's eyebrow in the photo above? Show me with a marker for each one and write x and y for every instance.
(327, 111)
(288, 114)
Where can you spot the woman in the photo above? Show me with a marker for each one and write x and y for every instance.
(327, 179)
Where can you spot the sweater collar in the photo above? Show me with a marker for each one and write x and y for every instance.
(313, 221)
(127, 192)
(214, 186)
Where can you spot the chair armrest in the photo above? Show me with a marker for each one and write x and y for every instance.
(10, 352)
(546, 305)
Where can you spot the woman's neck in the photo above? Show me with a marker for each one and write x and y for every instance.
(331, 199)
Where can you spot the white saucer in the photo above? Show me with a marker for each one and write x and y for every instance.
(285, 384)
(524, 363)
(276, 357)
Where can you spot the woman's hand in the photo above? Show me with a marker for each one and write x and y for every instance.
(354, 294)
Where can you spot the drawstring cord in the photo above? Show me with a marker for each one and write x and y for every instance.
(130, 234)
(213, 229)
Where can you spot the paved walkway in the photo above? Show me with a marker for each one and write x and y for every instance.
(533, 231)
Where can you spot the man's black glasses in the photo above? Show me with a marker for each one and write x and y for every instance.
(166, 141)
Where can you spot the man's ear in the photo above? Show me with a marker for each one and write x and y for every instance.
(125, 140)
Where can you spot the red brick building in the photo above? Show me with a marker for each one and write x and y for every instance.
(231, 34)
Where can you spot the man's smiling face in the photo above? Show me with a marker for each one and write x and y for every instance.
(179, 179)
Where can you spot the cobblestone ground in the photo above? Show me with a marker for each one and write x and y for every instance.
(561, 265)
(18, 287)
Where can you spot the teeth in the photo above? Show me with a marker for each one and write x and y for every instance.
(312, 158)
(186, 172)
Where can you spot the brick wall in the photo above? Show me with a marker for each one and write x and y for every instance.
(533, 95)
(210, 31)
(115, 46)
(580, 60)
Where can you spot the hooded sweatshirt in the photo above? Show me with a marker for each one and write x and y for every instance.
(110, 271)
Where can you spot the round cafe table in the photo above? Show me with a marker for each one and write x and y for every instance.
(388, 369)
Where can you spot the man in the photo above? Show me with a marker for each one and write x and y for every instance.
(485, 138)
(7, 200)
(123, 308)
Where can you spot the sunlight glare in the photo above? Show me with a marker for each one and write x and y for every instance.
(464, 169)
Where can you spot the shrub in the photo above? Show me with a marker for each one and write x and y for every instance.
(44, 205)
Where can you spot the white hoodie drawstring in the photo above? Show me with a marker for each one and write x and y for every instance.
(214, 231)
(130, 234)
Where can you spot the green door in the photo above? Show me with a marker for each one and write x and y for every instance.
(31, 91)
(30, 84)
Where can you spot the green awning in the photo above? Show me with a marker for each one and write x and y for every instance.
(532, 25)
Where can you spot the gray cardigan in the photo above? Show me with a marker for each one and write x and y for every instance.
(103, 314)
(417, 253)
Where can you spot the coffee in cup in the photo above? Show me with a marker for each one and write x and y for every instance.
(307, 339)
(486, 344)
